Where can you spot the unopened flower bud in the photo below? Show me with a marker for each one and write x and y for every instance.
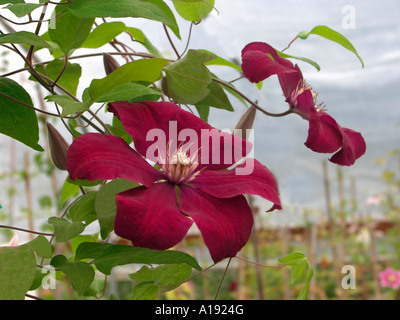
(245, 123)
(110, 64)
(58, 147)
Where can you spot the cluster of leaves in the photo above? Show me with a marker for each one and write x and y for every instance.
(71, 27)
(300, 268)
(186, 81)
(19, 271)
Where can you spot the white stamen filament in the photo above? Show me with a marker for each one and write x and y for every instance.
(303, 86)
(177, 165)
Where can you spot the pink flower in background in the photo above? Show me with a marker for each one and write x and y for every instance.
(192, 186)
(14, 242)
(375, 200)
(390, 278)
(260, 61)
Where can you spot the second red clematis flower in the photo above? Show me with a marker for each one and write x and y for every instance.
(193, 184)
(260, 61)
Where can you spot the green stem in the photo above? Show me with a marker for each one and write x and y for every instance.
(223, 277)
(26, 230)
(39, 25)
(89, 55)
(31, 107)
(289, 44)
(171, 42)
(255, 105)
(259, 264)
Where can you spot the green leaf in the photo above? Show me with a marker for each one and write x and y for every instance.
(76, 242)
(232, 92)
(165, 276)
(73, 125)
(105, 204)
(140, 37)
(103, 34)
(121, 255)
(91, 250)
(130, 91)
(67, 30)
(147, 70)
(155, 10)
(193, 10)
(217, 98)
(16, 120)
(11, 1)
(309, 61)
(297, 270)
(187, 79)
(145, 291)
(118, 130)
(41, 246)
(64, 229)
(294, 258)
(303, 294)
(331, 35)
(115, 255)
(17, 271)
(106, 32)
(218, 61)
(204, 112)
(68, 190)
(24, 37)
(84, 183)
(80, 273)
(299, 262)
(71, 74)
(37, 280)
(54, 49)
(69, 105)
(83, 209)
(22, 9)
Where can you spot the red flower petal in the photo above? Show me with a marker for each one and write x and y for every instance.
(305, 105)
(260, 61)
(220, 150)
(150, 218)
(141, 117)
(225, 224)
(261, 46)
(251, 177)
(353, 147)
(95, 156)
(324, 135)
(290, 81)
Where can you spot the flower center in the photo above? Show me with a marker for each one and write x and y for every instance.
(181, 158)
(178, 167)
(392, 278)
(301, 88)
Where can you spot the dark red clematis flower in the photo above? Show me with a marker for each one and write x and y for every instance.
(193, 184)
(260, 61)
